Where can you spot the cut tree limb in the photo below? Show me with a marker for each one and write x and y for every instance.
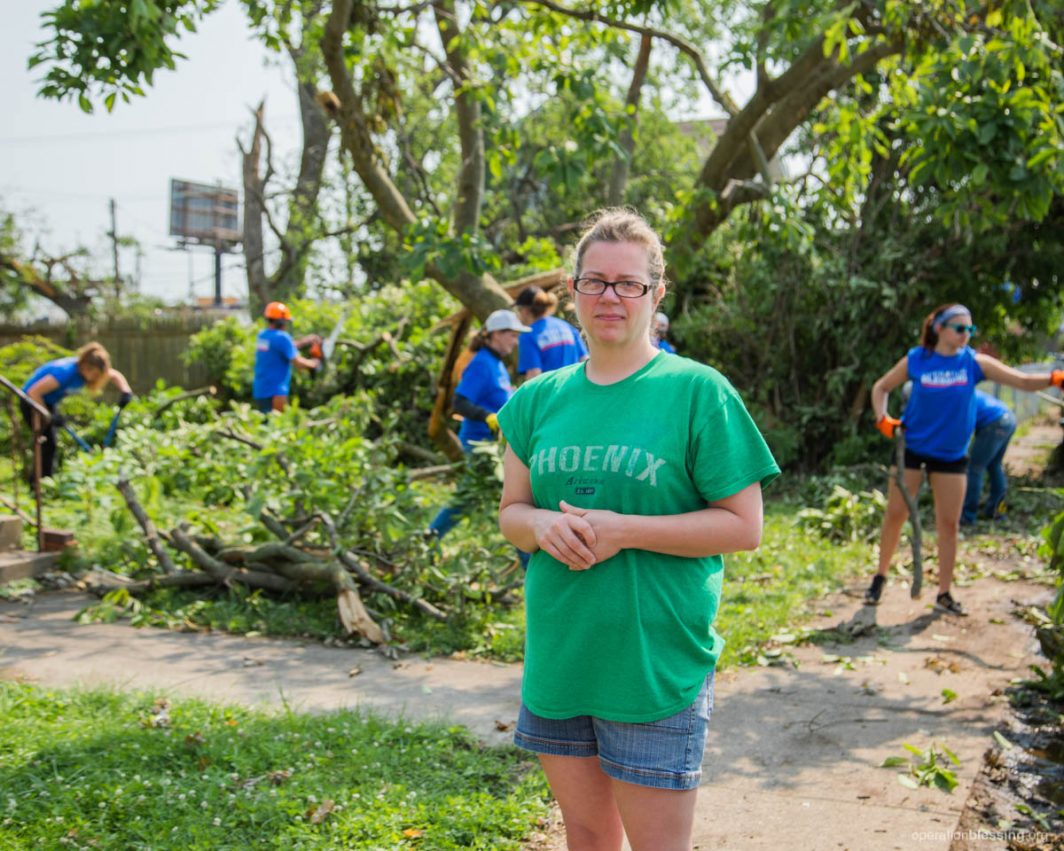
(151, 534)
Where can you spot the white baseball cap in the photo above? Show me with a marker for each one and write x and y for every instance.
(661, 319)
(504, 320)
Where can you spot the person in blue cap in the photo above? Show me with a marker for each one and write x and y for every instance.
(994, 426)
(552, 343)
(938, 422)
(484, 389)
(89, 367)
(275, 355)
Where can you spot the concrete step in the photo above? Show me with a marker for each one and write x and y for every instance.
(19, 564)
(10, 531)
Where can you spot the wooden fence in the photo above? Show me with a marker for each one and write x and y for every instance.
(142, 351)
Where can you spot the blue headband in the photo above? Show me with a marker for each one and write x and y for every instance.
(949, 313)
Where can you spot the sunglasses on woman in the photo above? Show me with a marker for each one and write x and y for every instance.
(962, 329)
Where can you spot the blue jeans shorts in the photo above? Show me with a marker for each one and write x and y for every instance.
(665, 754)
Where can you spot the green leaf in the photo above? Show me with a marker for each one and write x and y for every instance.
(908, 782)
(948, 695)
(1002, 741)
(893, 762)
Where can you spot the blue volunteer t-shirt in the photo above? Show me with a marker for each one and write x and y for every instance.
(552, 344)
(988, 409)
(666, 347)
(486, 383)
(940, 416)
(65, 371)
(274, 351)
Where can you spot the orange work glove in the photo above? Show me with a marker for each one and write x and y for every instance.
(888, 425)
(1056, 378)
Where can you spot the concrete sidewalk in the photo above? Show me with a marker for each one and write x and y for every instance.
(794, 752)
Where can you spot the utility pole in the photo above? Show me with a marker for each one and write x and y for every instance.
(113, 233)
(218, 249)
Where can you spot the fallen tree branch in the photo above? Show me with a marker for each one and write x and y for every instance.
(151, 534)
(419, 473)
(190, 394)
(225, 574)
(282, 461)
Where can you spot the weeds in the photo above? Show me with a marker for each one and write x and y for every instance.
(928, 767)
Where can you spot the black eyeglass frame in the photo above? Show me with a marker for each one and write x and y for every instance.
(644, 288)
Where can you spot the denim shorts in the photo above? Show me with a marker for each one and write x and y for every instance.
(665, 754)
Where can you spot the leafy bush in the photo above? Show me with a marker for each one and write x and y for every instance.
(846, 516)
(228, 474)
(1051, 635)
(391, 343)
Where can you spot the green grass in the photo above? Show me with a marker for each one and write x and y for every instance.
(775, 588)
(98, 769)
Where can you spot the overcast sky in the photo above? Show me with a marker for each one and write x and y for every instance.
(63, 166)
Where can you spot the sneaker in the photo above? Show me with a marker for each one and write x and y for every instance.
(875, 590)
(944, 602)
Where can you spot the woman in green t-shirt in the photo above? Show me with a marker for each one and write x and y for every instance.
(627, 477)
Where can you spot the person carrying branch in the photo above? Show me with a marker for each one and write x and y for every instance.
(626, 476)
(938, 422)
(484, 389)
(275, 354)
(89, 367)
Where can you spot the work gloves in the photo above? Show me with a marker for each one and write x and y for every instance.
(888, 426)
(125, 399)
(493, 423)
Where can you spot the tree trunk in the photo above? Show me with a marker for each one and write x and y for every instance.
(75, 304)
(480, 293)
(289, 278)
(621, 165)
(254, 262)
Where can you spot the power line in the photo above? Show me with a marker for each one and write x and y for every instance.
(151, 131)
(82, 196)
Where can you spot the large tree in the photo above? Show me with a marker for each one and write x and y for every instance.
(472, 74)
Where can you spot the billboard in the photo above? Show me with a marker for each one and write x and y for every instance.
(201, 212)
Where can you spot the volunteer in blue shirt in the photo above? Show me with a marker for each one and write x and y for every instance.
(483, 390)
(994, 426)
(660, 330)
(89, 367)
(938, 423)
(552, 343)
(275, 354)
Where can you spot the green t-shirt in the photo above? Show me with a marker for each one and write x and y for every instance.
(631, 639)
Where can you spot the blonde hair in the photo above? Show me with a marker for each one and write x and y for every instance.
(95, 355)
(622, 224)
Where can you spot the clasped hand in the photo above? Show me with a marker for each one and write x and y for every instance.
(580, 537)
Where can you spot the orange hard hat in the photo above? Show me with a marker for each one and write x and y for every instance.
(277, 310)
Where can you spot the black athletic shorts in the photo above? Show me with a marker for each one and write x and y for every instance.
(916, 461)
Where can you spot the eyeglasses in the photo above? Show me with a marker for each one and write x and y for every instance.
(624, 289)
(963, 329)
